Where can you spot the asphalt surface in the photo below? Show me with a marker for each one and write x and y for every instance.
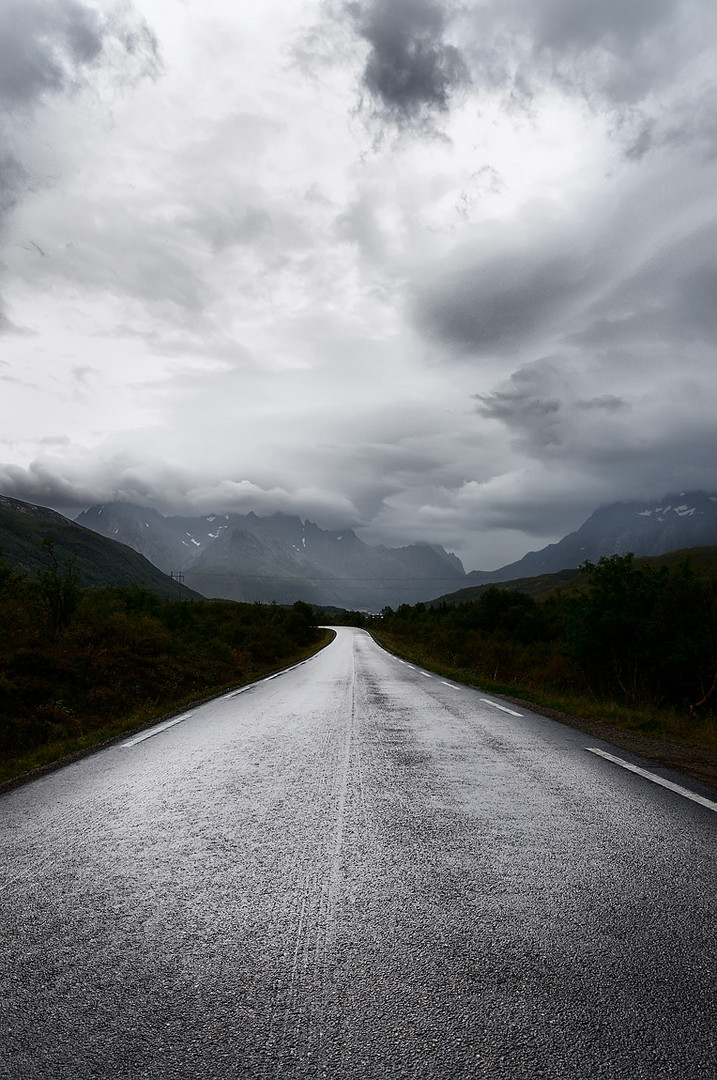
(357, 870)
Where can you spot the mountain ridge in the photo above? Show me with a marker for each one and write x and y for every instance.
(99, 560)
(285, 558)
(279, 558)
(677, 520)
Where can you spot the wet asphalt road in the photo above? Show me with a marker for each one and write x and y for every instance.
(355, 870)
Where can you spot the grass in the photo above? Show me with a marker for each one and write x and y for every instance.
(52, 755)
(667, 724)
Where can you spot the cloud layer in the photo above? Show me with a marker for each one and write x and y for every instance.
(437, 271)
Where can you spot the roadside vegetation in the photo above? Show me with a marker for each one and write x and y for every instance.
(635, 646)
(79, 666)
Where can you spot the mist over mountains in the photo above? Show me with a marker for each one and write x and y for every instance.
(281, 558)
(284, 558)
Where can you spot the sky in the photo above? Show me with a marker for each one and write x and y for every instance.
(440, 272)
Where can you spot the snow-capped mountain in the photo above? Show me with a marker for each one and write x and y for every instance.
(686, 519)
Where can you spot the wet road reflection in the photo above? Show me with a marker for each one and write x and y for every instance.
(353, 870)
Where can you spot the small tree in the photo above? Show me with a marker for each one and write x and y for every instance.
(58, 587)
(648, 634)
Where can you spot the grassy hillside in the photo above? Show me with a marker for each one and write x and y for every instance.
(98, 560)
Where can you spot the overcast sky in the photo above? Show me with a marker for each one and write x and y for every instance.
(441, 272)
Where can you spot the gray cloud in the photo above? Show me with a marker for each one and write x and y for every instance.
(411, 71)
(493, 304)
(610, 402)
(472, 340)
(43, 46)
(622, 51)
(47, 49)
(667, 300)
(529, 405)
(571, 23)
(648, 62)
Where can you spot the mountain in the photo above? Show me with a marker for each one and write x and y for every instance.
(24, 526)
(282, 558)
(687, 519)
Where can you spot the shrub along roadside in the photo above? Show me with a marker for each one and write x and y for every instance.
(117, 658)
(636, 649)
(671, 724)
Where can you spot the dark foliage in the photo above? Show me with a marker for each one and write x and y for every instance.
(73, 660)
(635, 633)
(645, 634)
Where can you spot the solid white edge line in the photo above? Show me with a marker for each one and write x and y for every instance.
(155, 731)
(502, 708)
(178, 719)
(654, 778)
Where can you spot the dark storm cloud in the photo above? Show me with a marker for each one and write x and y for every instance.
(670, 298)
(495, 304)
(528, 404)
(609, 402)
(411, 70)
(542, 406)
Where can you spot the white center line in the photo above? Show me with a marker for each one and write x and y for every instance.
(655, 779)
(501, 707)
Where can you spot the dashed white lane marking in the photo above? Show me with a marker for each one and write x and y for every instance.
(154, 731)
(501, 707)
(655, 779)
(452, 685)
(426, 674)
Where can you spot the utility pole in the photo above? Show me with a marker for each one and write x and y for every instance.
(178, 579)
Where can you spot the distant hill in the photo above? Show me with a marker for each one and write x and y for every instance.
(282, 558)
(538, 587)
(702, 560)
(24, 526)
(685, 520)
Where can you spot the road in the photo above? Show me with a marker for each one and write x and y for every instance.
(356, 869)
